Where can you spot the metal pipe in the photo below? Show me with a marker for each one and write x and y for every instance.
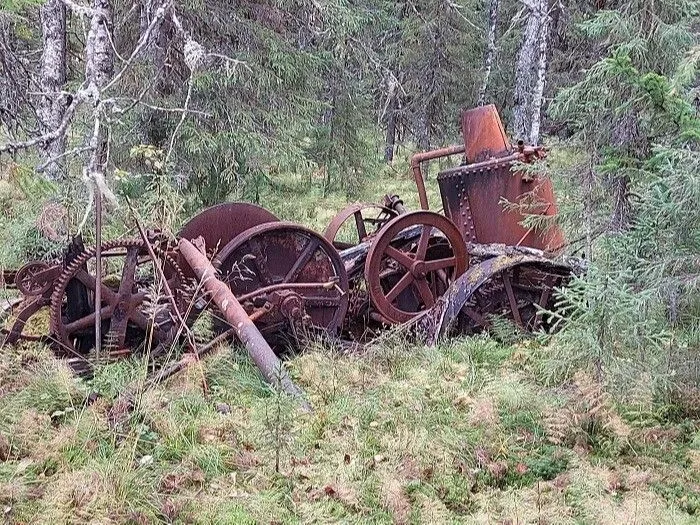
(418, 158)
(524, 155)
(98, 271)
(259, 351)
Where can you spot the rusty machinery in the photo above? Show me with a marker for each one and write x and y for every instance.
(457, 270)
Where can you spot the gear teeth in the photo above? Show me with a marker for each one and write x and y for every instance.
(56, 319)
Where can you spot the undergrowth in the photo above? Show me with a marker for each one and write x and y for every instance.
(484, 429)
(461, 433)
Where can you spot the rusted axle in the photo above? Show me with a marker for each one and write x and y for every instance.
(259, 351)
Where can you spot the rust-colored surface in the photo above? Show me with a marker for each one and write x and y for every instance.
(7, 278)
(418, 175)
(35, 281)
(367, 219)
(36, 277)
(487, 200)
(280, 279)
(291, 268)
(484, 136)
(405, 277)
(21, 312)
(514, 287)
(221, 223)
(126, 316)
(259, 351)
(474, 198)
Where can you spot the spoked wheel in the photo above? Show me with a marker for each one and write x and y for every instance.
(511, 288)
(134, 311)
(285, 275)
(34, 281)
(411, 263)
(15, 315)
(355, 223)
(36, 278)
(518, 294)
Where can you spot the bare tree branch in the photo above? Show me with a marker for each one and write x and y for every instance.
(69, 153)
(142, 43)
(81, 96)
(182, 119)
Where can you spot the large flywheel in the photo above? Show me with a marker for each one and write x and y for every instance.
(285, 275)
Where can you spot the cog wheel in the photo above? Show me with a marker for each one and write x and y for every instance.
(135, 309)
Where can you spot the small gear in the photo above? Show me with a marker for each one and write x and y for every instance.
(27, 282)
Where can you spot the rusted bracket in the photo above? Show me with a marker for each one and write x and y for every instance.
(259, 351)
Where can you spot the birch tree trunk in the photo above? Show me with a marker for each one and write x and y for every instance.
(538, 92)
(99, 68)
(490, 50)
(99, 65)
(390, 130)
(52, 78)
(524, 73)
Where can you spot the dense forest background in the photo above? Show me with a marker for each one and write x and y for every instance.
(183, 104)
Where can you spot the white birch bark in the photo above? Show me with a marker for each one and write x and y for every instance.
(99, 68)
(391, 109)
(524, 73)
(490, 50)
(99, 65)
(538, 91)
(52, 78)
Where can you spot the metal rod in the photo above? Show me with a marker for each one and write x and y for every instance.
(171, 298)
(286, 286)
(165, 373)
(98, 271)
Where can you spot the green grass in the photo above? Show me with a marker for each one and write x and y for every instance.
(469, 432)
(456, 434)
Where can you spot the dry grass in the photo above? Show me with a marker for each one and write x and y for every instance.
(465, 433)
(457, 434)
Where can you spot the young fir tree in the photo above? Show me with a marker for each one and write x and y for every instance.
(631, 317)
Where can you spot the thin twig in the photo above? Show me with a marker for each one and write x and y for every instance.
(74, 151)
(182, 118)
(143, 42)
(78, 99)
